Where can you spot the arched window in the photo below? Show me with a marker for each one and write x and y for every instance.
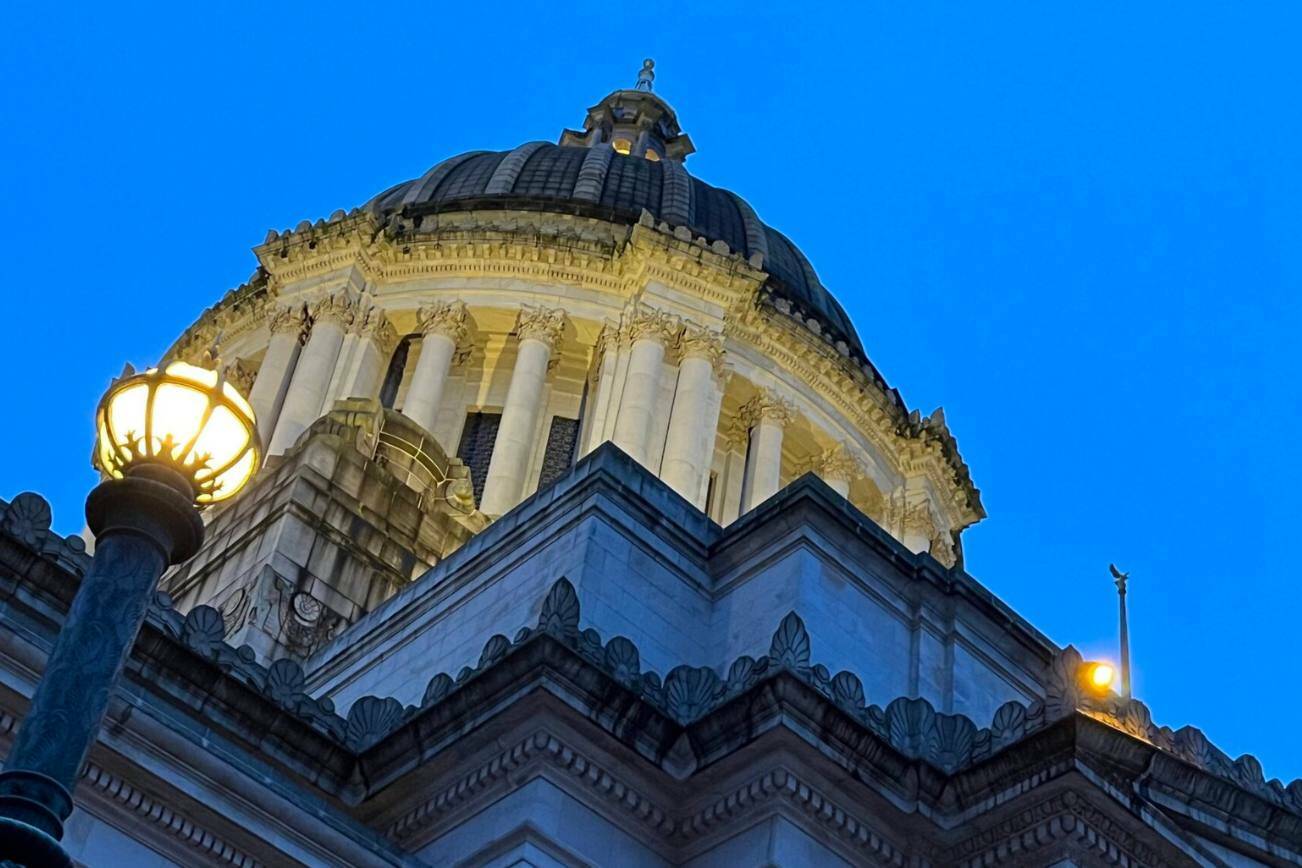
(393, 377)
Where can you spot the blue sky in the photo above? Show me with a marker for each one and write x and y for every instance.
(1076, 229)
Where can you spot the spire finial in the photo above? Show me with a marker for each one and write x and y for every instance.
(647, 76)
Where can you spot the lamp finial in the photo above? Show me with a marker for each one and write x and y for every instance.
(647, 76)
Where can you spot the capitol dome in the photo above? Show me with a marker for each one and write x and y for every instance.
(606, 185)
(510, 311)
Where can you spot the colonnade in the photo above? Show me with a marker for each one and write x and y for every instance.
(336, 347)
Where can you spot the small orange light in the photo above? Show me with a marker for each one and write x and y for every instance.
(1100, 675)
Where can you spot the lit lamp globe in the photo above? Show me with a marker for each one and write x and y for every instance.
(169, 441)
(182, 420)
(1098, 677)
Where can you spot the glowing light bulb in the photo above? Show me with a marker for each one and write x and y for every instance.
(183, 417)
(1101, 675)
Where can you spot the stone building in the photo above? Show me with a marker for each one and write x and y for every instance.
(589, 535)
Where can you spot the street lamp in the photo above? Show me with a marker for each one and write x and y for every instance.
(169, 441)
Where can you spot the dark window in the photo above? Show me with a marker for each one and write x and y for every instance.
(559, 457)
(476, 448)
(393, 377)
(710, 493)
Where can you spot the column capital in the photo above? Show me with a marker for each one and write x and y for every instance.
(647, 323)
(839, 462)
(241, 375)
(736, 433)
(541, 324)
(700, 343)
(374, 324)
(336, 307)
(768, 406)
(286, 319)
(446, 318)
(909, 511)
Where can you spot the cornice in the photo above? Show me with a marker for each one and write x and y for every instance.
(1066, 818)
(622, 799)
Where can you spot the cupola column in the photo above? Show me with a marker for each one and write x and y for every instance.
(365, 355)
(650, 332)
(539, 332)
(331, 316)
(272, 381)
(910, 515)
(443, 327)
(694, 421)
(767, 416)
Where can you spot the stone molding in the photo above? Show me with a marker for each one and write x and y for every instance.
(1065, 818)
(167, 819)
(784, 784)
(447, 318)
(768, 406)
(541, 324)
(544, 747)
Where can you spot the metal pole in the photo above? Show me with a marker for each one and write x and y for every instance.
(142, 524)
(1125, 635)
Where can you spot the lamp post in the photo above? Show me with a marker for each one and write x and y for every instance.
(170, 441)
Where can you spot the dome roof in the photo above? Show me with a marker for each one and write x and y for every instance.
(602, 183)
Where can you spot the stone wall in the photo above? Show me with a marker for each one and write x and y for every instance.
(649, 566)
(327, 532)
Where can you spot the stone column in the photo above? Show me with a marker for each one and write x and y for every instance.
(649, 332)
(539, 332)
(442, 327)
(272, 381)
(315, 368)
(365, 358)
(767, 416)
(694, 420)
(838, 468)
